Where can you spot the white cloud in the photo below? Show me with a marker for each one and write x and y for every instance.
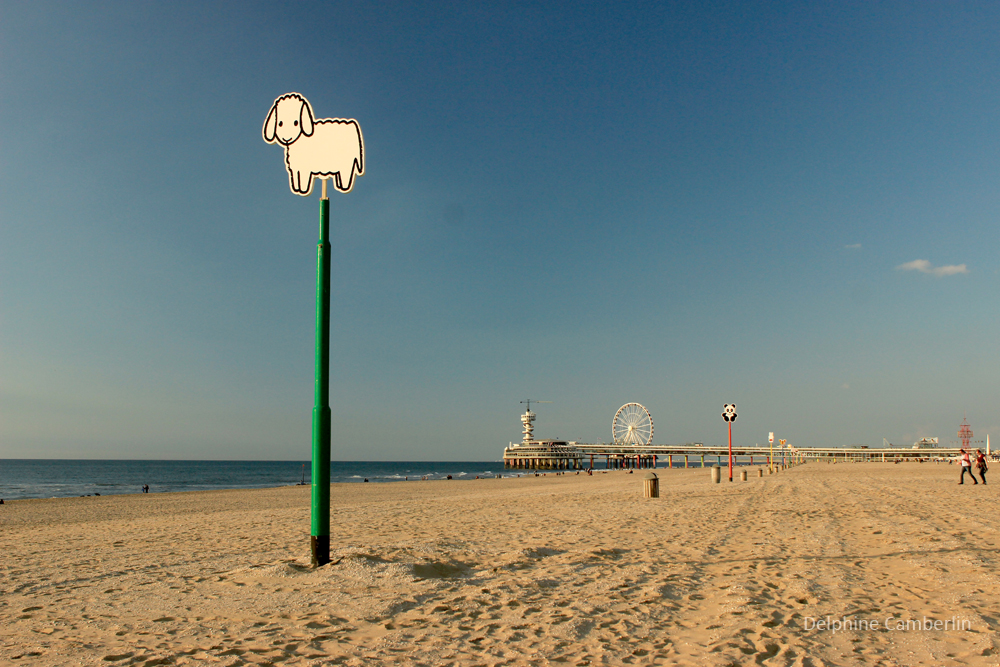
(853, 245)
(924, 266)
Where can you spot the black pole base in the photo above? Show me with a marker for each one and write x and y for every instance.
(320, 550)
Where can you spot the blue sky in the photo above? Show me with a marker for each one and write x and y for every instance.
(679, 204)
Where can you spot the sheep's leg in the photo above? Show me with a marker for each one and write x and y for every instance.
(344, 182)
(300, 184)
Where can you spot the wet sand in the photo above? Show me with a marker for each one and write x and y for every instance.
(567, 570)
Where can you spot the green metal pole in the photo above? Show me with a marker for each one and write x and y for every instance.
(320, 540)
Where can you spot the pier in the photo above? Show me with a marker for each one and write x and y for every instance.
(531, 454)
(562, 455)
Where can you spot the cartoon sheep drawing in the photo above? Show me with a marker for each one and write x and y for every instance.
(330, 147)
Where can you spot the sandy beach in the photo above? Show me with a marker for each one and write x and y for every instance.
(568, 569)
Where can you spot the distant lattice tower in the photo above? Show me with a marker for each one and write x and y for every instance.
(965, 433)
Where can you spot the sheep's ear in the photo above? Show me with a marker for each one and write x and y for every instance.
(271, 124)
(306, 119)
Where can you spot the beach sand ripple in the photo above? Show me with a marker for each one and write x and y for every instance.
(553, 570)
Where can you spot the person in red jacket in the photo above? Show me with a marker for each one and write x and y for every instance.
(981, 465)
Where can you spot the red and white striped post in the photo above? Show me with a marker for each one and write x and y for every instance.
(729, 414)
(730, 451)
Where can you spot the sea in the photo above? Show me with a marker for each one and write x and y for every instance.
(54, 478)
(59, 478)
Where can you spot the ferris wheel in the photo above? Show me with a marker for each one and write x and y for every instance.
(632, 425)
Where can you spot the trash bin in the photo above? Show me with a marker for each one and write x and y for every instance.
(716, 474)
(650, 485)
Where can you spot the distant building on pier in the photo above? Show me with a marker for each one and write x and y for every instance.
(531, 454)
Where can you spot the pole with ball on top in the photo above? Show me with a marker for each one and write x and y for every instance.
(325, 148)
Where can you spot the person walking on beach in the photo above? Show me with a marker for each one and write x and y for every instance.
(966, 467)
(981, 465)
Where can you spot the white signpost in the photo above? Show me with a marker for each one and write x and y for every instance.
(325, 148)
(330, 147)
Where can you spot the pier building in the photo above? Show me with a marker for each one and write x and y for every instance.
(531, 454)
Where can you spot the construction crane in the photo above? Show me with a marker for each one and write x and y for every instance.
(529, 401)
